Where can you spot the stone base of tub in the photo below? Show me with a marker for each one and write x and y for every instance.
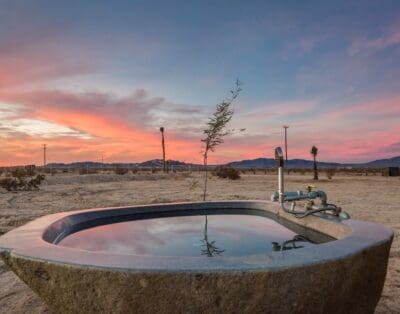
(350, 285)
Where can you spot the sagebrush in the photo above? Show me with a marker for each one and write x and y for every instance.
(22, 179)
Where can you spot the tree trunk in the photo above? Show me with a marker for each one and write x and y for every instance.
(315, 169)
(163, 148)
(206, 177)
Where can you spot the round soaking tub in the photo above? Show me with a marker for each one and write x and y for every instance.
(208, 257)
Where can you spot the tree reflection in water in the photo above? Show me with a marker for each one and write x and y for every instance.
(209, 247)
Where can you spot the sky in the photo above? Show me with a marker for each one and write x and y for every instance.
(97, 79)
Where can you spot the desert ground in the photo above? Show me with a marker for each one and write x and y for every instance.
(371, 198)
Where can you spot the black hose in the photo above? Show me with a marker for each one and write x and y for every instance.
(302, 214)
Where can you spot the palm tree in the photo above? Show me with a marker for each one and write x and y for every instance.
(314, 153)
(163, 148)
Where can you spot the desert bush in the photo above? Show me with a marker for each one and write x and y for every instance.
(227, 173)
(30, 170)
(121, 170)
(21, 179)
(34, 182)
(10, 184)
(18, 173)
(46, 170)
(330, 173)
(87, 171)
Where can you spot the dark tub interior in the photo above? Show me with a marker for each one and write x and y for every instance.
(191, 233)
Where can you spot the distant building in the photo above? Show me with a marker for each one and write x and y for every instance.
(391, 172)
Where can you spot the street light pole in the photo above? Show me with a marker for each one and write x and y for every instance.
(44, 155)
(163, 149)
(286, 127)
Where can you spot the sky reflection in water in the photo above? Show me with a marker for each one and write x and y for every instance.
(225, 235)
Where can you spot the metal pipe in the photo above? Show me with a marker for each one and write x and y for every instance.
(281, 185)
(279, 163)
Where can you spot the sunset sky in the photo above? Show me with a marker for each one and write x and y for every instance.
(93, 78)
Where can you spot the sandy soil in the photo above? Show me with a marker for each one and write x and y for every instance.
(372, 198)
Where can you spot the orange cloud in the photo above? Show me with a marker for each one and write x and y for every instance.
(125, 129)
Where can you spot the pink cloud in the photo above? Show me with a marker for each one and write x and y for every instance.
(125, 129)
(391, 38)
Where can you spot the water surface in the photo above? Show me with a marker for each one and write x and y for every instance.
(212, 235)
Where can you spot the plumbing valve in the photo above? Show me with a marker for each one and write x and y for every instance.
(309, 196)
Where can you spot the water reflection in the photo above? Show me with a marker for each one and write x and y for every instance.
(211, 235)
(210, 249)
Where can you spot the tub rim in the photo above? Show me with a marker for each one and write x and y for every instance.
(353, 236)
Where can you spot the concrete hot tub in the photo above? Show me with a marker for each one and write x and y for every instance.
(208, 257)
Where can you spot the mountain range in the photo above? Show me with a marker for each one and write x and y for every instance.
(250, 163)
(303, 163)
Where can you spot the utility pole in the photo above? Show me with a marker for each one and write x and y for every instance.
(44, 155)
(163, 148)
(286, 127)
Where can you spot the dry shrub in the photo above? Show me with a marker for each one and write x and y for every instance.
(121, 171)
(10, 184)
(88, 170)
(21, 179)
(330, 173)
(30, 170)
(227, 173)
(193, 184)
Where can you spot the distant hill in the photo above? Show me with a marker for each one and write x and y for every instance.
(250, 163)
(159, 163)
(156, 163)
(380, 163)
(89, 164)
(303, 163)
(270, 163)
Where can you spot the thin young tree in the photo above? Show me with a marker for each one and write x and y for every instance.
(163, 148)
(216, 129)
(314, 153)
